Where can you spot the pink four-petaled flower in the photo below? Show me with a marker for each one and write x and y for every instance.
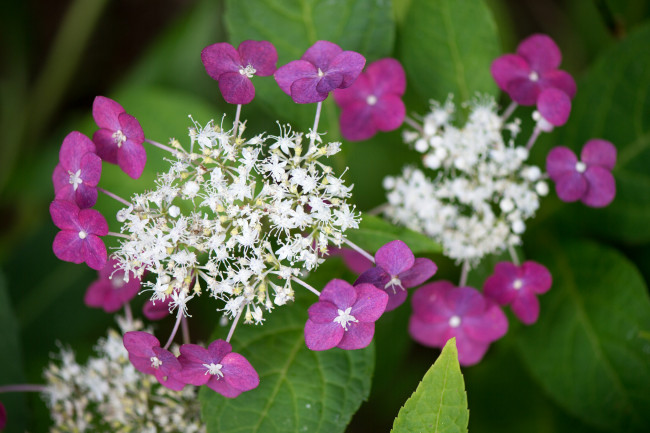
(148, 357)
(590, 179)
(442, 311)
(233, 69)
(344, 316)
(374, 101)
(519, 287)
(111, 291)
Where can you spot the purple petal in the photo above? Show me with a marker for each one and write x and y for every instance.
(261, 55)
(85, 196)
(158, 310)
(97, 294)
(322, 336)
(599, 152)
(561, 80)
(329, 82)
(239, 373)
(105, 113)
(395, 257)
(395, 298)
(60, 178)
(321, 54)
(192, 358)
(323, 312)
(432, 334)
(348, 64)
(370, 303)
(106, 146)
(303, 91)
(65, 215)
(386, 76)
(93, 222)
(142, 363)
(340, 293)
(140, 343)
(560, 161)
(375, 276)
(222, 387)
(422, 270)
(491, 325)
(536, 277)
(554, 105)
(356, 262)
(95, 252)
(470, 352)
(67, 193)
(541, 53)
(219, 59)
(218, 349)
(170, 380)
(523, 91)
(526, 307)
(91, 168)
(131, 128)
(68, 247)
(498, 286)
(508, 68)
(75, 145)
(168, 360)
(131, 158)
(356, 93)
(358, 336)
(465, 301)
(292, 71)
(356, 121)
(236, 88)
(429, 301)
(388, 113)
(601, 187)
(571, 186)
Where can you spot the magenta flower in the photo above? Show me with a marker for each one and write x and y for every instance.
(76, 176)
(233, 69)
(442, 311)
(589, 180)
(518, 286)
(533, 69)
(119, 141)
(156, 310)
(78, 241)
(373, 102)
(148, 357)
(218, 367)
(323, 68)
(397, 270)
(344, 316)
(110, 292)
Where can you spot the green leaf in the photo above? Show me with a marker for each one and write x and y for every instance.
(448, 47)
(439, 404)
(365, 26)
(613, 103)
(373, 232)
(300, 390)
(589, 350)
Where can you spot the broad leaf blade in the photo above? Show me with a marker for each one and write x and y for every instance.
(439, 404)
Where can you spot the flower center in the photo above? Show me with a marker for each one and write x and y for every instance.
(533, 76)
(119, 137)
(394, 282)
(371, 100)
(320, 73)
(345, 317)
(249, 71)
(214, 369)
(581, 167)
(75, 179)
(454, 321)
(82, 234)
(155, 362)
(517, 284)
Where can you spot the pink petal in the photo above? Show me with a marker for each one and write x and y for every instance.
(395, 298)
(170, 381)
(236, 88)
(261, 55)
(561, 80)
(93, 222)
(349, 64)
(218, 349)
(536, 277)
(239, 373)
(358, 336)
(74, 146)
(370, 303)
(429, 301)
(395, 257)
(303, 91)
(106, 146)
(470, 352)
(67, 193)
(321, 54)
(498, 286)
(386, 76)
(132, 158)
(491, 325)
(222, 387)
(560, 161)
(323, 312)
(219, 59)
(91, 168)
(292, 71)
(601, 187)
(95, 252)
(523, 91)
(356, 93)
(192, 358)
(85, 196)
(356, 121)
(422, 270)
(60, 178)
(571, 186)
(432, 334)
(168, 360)
(599, 152)
(105, 113)
(142, 363)
(541, 53)
(526, 307)
(322, 336)
(131, 128)
(388, 113)
(68, 247)
(158, 310)
(140, 343)
(465, 301)
(508, 68)
(340, 293)
(554, 105)
(97, 294)
(329, 82)
(65, 215)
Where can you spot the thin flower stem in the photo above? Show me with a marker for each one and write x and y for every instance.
(161, 146)
(511, 108)
(305, 285)
(513, 255)
(179, 316)
(358, 249)
(413, 124)
(234, 324)
(236, 124)
(378, 210)
(27, 387)
(119, 235)
(314, 130)
(533, 138)
(114, 196)
(128, 313)
(463, 274)
(185, 329)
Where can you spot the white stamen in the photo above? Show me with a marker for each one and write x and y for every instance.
(581, 167)
(119, 137)
(394, 282)
(82, 234)
(249, 71)
(454, 321)
(214, 369)
(75, 179)
(517, 284)
(320, 73)
(155, 362)
(371, 100)
(345, 317)
(533, 76)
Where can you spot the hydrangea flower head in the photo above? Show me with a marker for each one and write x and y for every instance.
(233, 69)
(397, 270)
(218, 367)
(344, 316)
(374, 101)
(111, 291)
(519, 287)
(78, 241)
(76, 176)
(442, 311)
(323, 68)
(148, 357)
(533, 69)
(120, 137)
(589, 179)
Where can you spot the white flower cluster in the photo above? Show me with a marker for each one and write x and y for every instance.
(479, 192)
(109, 394)
(241, 218)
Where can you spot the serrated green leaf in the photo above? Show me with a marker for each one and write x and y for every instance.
(300, 390)
(373, 232)
(588, 349)
(439, 404)
(448, 47)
